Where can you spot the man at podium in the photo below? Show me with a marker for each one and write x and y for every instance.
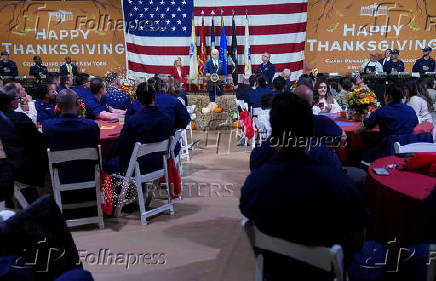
(214, 66)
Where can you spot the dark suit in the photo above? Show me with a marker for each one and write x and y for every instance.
(149, 125)
(64, 69)
(38, 71)
(210, 68)
(268, 70)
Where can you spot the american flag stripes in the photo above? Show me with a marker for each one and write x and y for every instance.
(276, 26)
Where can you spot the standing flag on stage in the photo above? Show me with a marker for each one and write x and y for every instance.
(223, 46)
(212, 33)
(247, 55)
(158, 31)
(234, 53)
(203, 52)
(193, 62)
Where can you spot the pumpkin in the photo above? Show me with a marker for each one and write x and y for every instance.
(236, 124)
(218, 110)
(192, 125)
(212, 106)
(205, 110)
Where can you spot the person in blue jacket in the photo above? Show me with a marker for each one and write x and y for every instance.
(7, 67)
(214, 65)
(394, 65)
(255, 96)
(45, 103)
(267, 68)
(82, 86)
(426, 63)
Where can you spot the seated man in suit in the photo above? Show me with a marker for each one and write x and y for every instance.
(148, 125)
(68, 67)
(71, 132)
(214, 66)
(322, 206)
(38, 71)
(96, 107)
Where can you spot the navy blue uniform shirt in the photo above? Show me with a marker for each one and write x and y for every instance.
(82, 92)
(148, 125)
(268, 70)
(94, 106)
(391, 65)
(45, 110)
(326, 127)
(393, 119)
(8, 69)
(423, 65)
(174, 109)
(255, 96)
(38, 71)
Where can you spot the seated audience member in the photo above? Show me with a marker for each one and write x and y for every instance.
(307, 81)
(182, 96)
(242, 92)
(278, 85)
(394, 118)
(418, 98)
(96, 108)
(359, 83)
(135, 106)
(255, 96)
(82, 88)
(328, 203)
(68, 132)
(114, 97)
(148, 125)
(66, 82)
(326, 101)
(429, 84)
(344, 85)
(45, 104)
(26, 104)
(54, 78)
(286, 74)
(33, 165)
(175, 90)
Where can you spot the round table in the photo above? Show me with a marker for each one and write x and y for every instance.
(356, 143)
(395, 200)
(109, 134)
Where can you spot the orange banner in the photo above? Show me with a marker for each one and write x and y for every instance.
(90, 32)
(342, 33)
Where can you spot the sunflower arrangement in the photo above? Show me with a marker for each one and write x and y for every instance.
(128, 89)
(362, 101)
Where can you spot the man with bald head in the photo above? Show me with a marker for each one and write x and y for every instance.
(214, 65)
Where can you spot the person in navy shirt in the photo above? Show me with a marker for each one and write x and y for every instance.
(426, 63)
(114, 97)
(54, 78)
(255, 96)
(267, 68)
(45, 104)
(320, 204)
(66, 82)
(96, 107)
(148, 125)
(82, 88)
(68, 132)
(214, 65)
(38, 70)
(394, 65)
(278, 85)
(7, 67)
(243, 92)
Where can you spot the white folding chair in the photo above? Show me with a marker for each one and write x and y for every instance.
(415, 147)
(139, 151)
(327, 259)
(185, 146)
(261, 121)
(91, 154)
(18, 186)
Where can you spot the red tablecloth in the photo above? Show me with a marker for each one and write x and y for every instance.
(395, 201)
(109, 134)
(356, 143)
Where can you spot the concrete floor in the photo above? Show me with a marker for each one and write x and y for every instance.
(202, 241)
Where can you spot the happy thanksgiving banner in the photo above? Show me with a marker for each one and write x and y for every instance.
(342, 33)
(90, 32)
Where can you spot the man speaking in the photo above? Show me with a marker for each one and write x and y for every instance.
(214, 65)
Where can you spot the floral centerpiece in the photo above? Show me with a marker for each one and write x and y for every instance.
(81, 113)
(361, 102)
(128, 89)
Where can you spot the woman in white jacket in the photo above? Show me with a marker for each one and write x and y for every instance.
(418, 98)
(326, 101)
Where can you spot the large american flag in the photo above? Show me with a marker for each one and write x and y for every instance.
(157, 31)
